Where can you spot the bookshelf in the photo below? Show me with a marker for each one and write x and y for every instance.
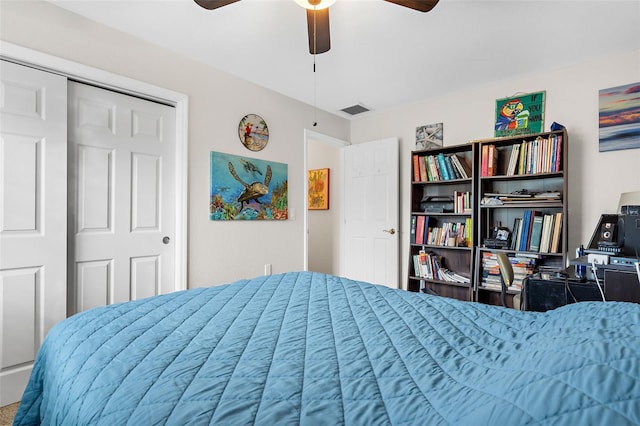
(442, 217)
(521, 189)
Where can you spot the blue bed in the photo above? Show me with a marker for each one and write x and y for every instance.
(307, 348)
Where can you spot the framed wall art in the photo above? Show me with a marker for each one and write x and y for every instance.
(318, 194)
(619, 118)
(429, 136)
(247, 189)
(519, 115)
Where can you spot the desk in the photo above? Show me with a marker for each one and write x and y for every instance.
(620, 282)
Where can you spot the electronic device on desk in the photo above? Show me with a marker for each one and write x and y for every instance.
(607, 237)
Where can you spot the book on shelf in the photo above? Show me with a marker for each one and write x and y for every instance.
(489, 160)
(467, 232)
(515, 233)
(545, 240)
(416, 168)
(420, 230)
(523, 265)
(453, 174)
(414, 222)
(524, 231)
(461, 165)
(423, 171)
(557, 233)
(442, 167)
(427, 167)
(484, 161)
(536, 232)
(513, 160)
(492, 165)
(430, 160)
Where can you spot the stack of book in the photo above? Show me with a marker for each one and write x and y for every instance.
(523, 265)
(540, 197)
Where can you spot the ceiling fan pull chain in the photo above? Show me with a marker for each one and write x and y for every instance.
(315, 108)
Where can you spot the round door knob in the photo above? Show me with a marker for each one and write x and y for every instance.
(166, 240)
(391, 231)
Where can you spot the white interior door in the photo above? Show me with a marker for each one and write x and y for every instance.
(122, 197)
(33, 209)
(371, 235)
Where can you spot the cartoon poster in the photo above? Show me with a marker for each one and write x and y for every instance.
(619, 118)
(247, 189)
(520, 115)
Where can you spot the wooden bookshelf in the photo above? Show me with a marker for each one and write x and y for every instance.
(525, 195)
(442, 199)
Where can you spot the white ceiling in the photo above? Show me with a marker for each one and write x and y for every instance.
(382, 55)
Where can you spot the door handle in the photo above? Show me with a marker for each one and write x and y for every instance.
(391, 231)
(166, 240)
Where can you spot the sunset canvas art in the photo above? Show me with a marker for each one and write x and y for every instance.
(619, 117)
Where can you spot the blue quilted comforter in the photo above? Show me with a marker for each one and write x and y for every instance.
(306, 348)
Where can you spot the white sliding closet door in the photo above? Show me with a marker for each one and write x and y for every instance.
(122, 197)
(33, 217)
(87, 207)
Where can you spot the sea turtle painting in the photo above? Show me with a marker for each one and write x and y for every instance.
(252, 191)
(247, 188)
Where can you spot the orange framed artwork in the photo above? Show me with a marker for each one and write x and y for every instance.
(318, 195)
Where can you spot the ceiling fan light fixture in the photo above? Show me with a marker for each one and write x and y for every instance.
(315, 4)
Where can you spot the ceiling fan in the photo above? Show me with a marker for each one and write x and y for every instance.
(318, 17)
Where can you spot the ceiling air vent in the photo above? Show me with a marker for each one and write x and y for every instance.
(355, 109)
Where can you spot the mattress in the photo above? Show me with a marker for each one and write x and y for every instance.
(309, 348)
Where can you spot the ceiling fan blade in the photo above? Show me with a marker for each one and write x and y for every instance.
(319, 41)
(421, 5)
(214, 4)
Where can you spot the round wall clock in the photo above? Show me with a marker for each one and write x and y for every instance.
(253, 132)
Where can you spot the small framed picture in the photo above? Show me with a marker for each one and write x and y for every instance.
(318, 194)
(429, 136)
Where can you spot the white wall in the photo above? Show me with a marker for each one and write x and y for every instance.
(223, 251)
(595, 179)
(324, 225)
(218, 252)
